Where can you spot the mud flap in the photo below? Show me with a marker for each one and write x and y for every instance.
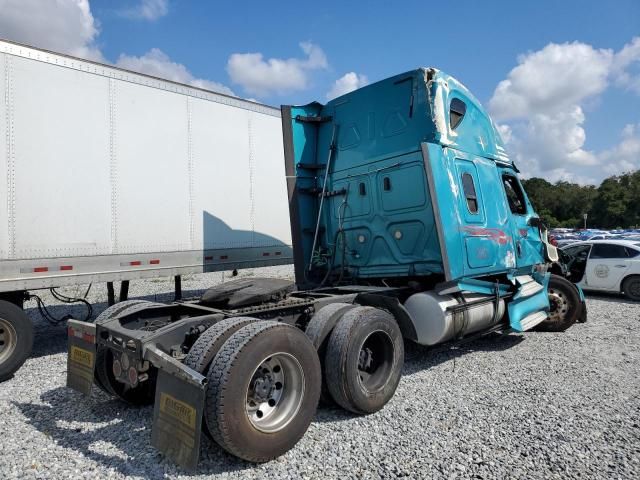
(530, 304)
(177, 413)
(81, 359)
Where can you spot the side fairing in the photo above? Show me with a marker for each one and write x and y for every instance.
(300, 148)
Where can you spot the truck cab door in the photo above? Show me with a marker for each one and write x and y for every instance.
(470, 215)
(525, 228)
(488, 246)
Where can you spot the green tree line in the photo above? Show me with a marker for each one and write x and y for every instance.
(614, 204)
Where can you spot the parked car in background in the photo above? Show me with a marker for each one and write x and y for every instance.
(565, 242)
(605, 265)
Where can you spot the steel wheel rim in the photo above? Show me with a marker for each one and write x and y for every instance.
(275, 392)
(559, 305)
(8, 340)
(375, 361)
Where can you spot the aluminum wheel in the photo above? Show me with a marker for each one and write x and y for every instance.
(8, 340)
(275, 392)
(559, 305)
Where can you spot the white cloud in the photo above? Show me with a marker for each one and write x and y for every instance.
(551, 79)
(68, 26)
(150, 10)
(261, 77)
(155, 62)
(627, 66)
(541, 109)
(347, 83)
(65, 26)
(625, 156)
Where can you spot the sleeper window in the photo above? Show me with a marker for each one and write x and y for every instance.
(457, 109)
(470, 192)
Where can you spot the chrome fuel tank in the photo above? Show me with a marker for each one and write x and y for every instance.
(436, 323)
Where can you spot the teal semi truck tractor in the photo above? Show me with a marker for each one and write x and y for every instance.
(408, 222)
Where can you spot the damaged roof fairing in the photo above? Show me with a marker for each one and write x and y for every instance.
(481, 136)
(431, 96)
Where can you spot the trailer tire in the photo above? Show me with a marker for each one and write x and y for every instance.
(16, 339)
(210, 342)
(364, 360)
(142, 394)
(565, 304)
(263, 390)
(318, 331)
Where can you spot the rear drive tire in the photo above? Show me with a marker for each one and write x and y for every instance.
(631, 288)
(318, 331)
(16, 339)
(207, 346)
(263, 390)
(364, 360)
(210, 342)
(106, 314)
(142, 394)
(565, 305)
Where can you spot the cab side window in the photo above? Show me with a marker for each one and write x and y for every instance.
(608, 250)
(515, 195)
(470, 192)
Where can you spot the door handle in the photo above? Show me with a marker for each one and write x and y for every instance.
(620, 266)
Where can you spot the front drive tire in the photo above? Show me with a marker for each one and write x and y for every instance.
(565, 304)
(319, 331)
(16, 339)
(263, 390)
(364, 360)
(631, 288)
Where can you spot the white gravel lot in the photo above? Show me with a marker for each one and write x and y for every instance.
(537, 405)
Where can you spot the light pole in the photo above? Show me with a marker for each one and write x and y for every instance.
(584, 217)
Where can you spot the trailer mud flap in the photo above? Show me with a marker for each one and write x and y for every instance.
(177, 417)
(81, 359)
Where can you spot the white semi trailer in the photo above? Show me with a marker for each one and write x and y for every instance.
(109, 175)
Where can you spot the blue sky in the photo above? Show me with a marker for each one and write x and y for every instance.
(587, 126)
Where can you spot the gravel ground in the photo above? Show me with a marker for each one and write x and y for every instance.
(538, 405)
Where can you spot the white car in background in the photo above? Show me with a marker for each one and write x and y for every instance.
(606, 265)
